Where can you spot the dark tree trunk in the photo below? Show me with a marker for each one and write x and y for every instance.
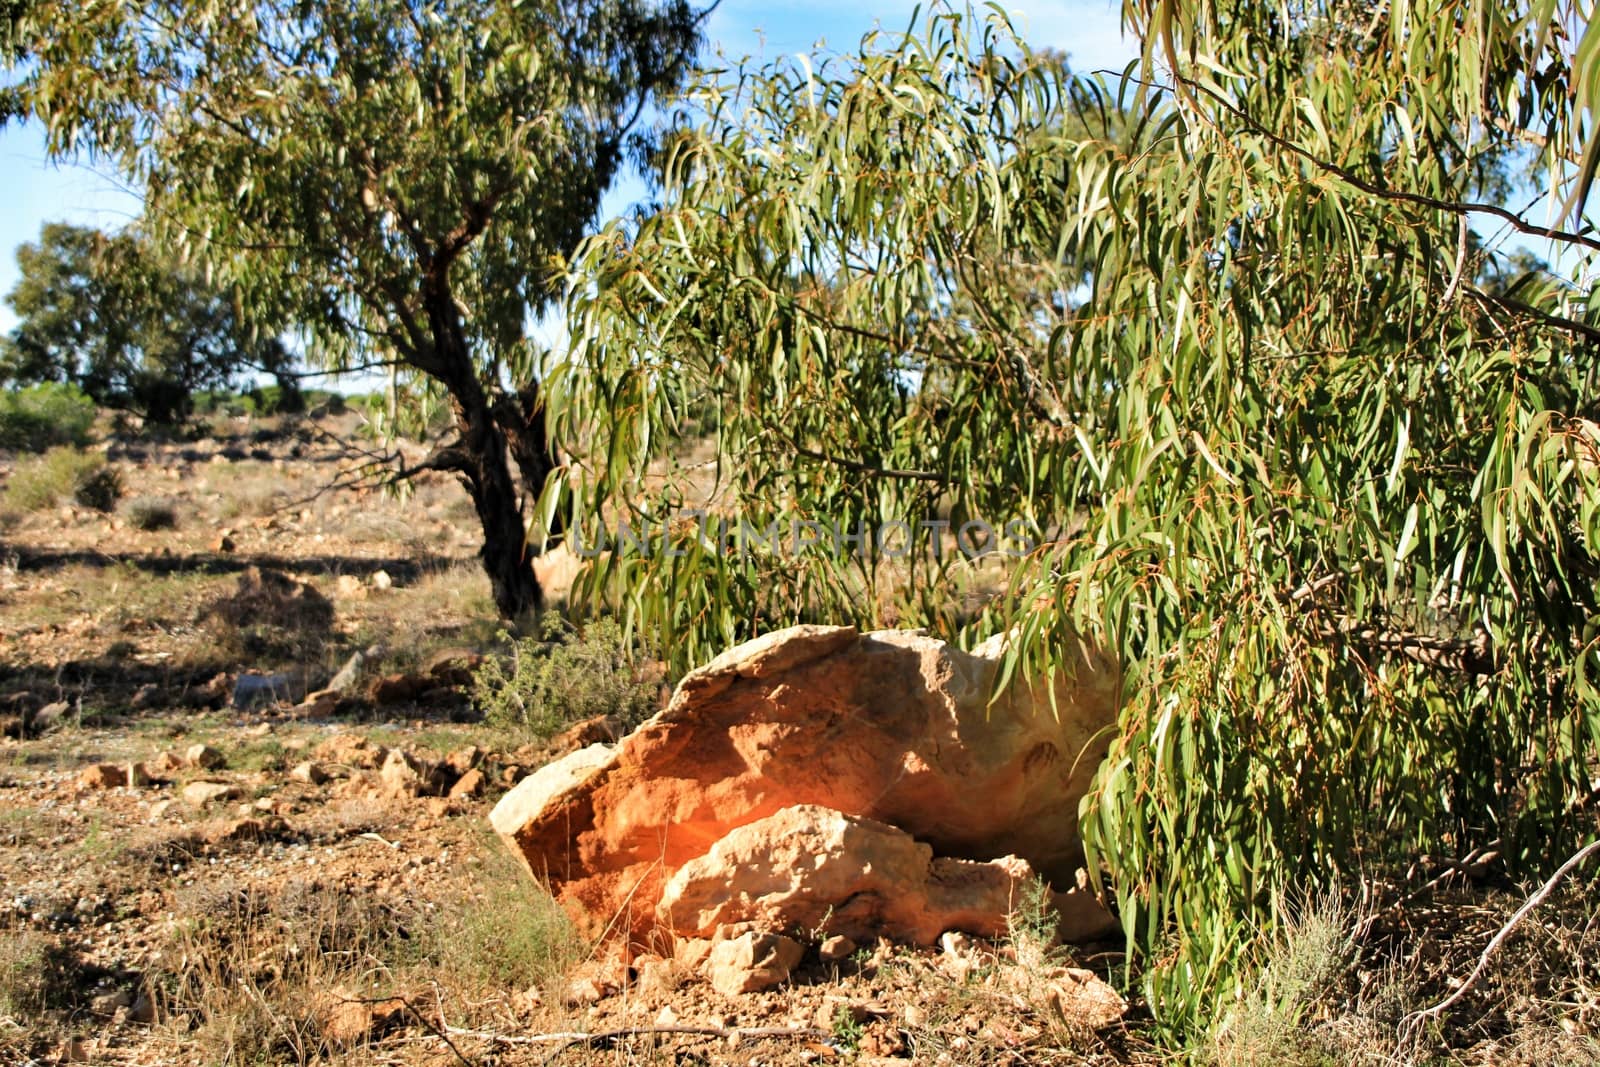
(480, 457)
(507, 556)
(521, 419)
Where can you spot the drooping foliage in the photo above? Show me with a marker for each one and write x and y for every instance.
(394, 180)
(1308, 446)
(131, 327)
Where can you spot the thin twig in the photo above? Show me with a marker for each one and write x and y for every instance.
(569, 1039)
(1416, 1019)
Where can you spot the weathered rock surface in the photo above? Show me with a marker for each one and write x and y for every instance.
(892, 726)
(351, 750)
(812, 868)
(751, 962)
(406, 775)
(205, 757)
(200, 794)
(102, 776)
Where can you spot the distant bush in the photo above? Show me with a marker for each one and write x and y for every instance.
(151, 513)
(42, 481)
(549, 684)
(98, 487)
(44, 416)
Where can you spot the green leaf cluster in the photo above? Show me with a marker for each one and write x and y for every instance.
(1314, 458)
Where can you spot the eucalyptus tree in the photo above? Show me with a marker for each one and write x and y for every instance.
(113, 315)
(1319, 463)
(398, 180)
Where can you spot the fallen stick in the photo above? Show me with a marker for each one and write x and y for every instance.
(601, 1037)
(1415, 1019)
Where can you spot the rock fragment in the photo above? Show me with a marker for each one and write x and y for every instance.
(102, 776)
(812, 868)
(201, 794)
(752, 962)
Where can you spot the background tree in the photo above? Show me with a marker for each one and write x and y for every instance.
(397, 179)
(1329, 488)
(131, 328)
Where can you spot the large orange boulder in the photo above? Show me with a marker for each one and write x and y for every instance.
(892, 726)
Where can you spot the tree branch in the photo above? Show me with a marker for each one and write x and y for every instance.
(1457, 207)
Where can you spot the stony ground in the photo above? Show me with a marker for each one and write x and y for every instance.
(271, 885)
(264, 890)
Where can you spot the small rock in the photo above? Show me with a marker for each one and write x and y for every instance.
(381, 581)
(199, 794)
(161, 807)
(223, 542)
(351, 750)
(108, 1004)
(752, 962)
(463, 760)
(836, 948)
(145, 697)
(164, 765)
(468, 785)
(401, 774)
(666, 1016)
(138, 777)
(310, 771)
(1083, 1000)
(581, 992)
(692, 952)
(351, 1022)
(102, 776)
(349, 587)
(885, 1044)
(205, 757)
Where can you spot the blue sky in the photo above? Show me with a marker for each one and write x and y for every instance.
(36, 192)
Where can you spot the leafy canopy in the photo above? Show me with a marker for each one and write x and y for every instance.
(128, 325)
(397, 181)
(1319, 466)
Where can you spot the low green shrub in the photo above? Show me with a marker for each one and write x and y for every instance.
(44, 416)
(41, 481)
(564, 678)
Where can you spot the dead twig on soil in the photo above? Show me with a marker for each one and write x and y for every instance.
(1413, 1022)
(573, 1039)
